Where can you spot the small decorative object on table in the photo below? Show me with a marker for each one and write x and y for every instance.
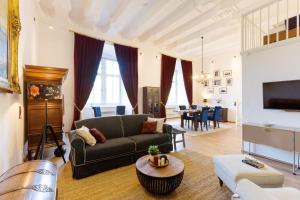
(153, 151)
(162, 161)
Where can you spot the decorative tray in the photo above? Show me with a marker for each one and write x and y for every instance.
(161, 166)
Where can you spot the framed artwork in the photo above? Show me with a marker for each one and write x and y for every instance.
(210, 90)
(217, 73)
(205, 83)
(9, 38)
(223, 90)
(41, 91)
(217, 82)
(228, 81)
(227, 73)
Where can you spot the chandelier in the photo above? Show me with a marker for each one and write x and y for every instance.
(203, 77)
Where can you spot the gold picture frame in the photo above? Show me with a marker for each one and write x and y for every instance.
(10, 83)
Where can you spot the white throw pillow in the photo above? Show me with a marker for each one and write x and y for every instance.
(84, 132)
(160, 123)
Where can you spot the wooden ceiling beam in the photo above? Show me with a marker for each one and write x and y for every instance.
(196, 35)
(149, 11)
(185, 7)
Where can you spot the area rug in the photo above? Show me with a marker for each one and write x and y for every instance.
(191, 131)
(223, 126)
(199, 183)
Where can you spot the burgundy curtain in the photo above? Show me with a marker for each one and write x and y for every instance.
(167, 71)
(87, 56)
(128, 63)
(187, 71)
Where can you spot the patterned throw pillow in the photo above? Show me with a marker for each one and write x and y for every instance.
(149, 127)
(84, 132)
(160, 123)
(98, 135)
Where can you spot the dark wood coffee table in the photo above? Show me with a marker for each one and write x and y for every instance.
(160, 180)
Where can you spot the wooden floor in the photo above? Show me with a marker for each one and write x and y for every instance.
(223, 142)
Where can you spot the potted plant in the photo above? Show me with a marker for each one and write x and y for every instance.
(153, 151)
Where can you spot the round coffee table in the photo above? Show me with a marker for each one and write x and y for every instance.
(160, 180)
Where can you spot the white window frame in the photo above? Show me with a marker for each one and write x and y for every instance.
(103, 77)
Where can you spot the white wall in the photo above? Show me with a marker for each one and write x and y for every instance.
(225, 61)
(12, 128)
(55, 48)
(274, 64)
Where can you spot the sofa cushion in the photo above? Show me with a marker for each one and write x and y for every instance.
(98, 135)
(111, 126)
(110, 149)
(143, 141)
(149, 127)
(160, 123)
(84, 132)
(133, 124)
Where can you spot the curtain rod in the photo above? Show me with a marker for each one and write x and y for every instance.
(108, 41)
(111, 42)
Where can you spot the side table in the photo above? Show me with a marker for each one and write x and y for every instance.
(176, 131)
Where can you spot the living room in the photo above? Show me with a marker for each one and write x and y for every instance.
(149, 99)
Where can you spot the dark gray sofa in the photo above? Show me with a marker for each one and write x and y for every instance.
(124, 145)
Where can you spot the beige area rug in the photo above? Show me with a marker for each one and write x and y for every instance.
(199, 183)
(191, 132)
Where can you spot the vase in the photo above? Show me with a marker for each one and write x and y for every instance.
(154, 159)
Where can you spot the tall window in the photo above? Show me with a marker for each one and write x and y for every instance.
(108, 88)
(177, 94)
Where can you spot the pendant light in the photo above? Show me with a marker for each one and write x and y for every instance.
(203, 76)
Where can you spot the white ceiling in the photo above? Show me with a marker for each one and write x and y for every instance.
(173, 26)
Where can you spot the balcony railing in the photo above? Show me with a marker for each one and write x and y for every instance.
(274, 22)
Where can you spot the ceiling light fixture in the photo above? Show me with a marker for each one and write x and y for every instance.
(203, 76)
(50, 27)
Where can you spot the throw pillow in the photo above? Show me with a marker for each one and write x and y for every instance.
(98, 135)
(160, 123)
(149, 127)
(84, 132)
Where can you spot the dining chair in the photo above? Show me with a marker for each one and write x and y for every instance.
(97, 111)
(194, 107)
(203, 118)
(120, 110)
(182, 107)
(216, 116)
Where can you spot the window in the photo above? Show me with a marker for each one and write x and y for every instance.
(108, 88)
(177, 94)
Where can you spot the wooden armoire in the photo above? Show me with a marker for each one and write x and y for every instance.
(42, 83)
(151, 101)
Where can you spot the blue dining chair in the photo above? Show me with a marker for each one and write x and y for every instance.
(182, 107)
(120, 110)
(97, 111)
(216, 116)
(194, 107)
(203, 118)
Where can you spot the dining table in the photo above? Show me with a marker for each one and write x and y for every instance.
(192, 112)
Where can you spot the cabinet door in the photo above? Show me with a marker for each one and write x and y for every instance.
(36, 115)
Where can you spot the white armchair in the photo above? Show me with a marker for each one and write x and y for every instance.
(246, 190)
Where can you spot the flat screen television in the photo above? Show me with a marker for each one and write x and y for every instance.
(283, 95)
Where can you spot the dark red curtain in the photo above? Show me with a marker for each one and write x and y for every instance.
(87, 56)
(187, 71)
(127, 58)
(167, 71)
